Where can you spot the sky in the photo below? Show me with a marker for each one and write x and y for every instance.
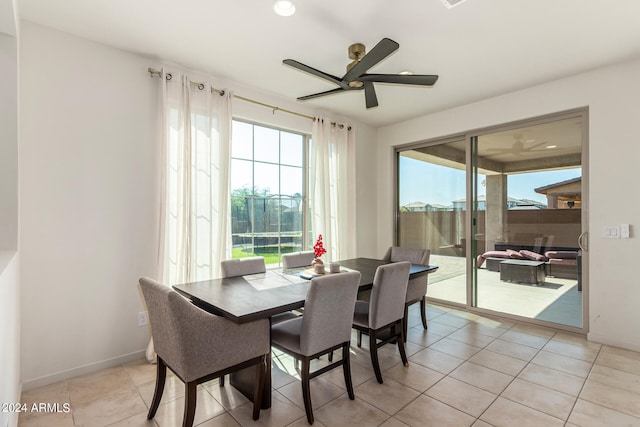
(434, 184)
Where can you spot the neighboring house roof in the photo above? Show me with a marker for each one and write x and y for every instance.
(440, 206)
(483, 198)
(415, 205)
(547, 188)
(528, 204)
(525, 207)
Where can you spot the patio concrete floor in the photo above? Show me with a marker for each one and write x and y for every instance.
(557, 300)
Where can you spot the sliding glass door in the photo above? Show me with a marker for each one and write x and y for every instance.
(528, 188)
(432, 213)
(501, 211)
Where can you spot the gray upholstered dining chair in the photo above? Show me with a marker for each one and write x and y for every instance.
(385, 310)
(251, 265)
(198, 346)
(417, 288)
(242, 266)
(324, 327)
(297, 259)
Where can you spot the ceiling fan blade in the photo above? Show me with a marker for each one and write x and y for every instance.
(302, 67)
(317, 95)
(406, 79)
(536, 146)
(379, 52)
(370, 95)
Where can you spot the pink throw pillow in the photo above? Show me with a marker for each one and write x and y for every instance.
(495, 254)
(562, 254)
(514, 254)
(532, 255)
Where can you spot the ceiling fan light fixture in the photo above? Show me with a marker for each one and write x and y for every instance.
(284, 7)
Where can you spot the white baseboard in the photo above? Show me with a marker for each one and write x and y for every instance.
(604, 339)
(81, 370)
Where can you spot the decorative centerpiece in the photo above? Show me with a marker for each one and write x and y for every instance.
(318, 250)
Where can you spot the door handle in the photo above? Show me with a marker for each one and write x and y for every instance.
(583, 240)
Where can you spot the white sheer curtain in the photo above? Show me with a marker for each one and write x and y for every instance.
(332, 187)
(195, 231)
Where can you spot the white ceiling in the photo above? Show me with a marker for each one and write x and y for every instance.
(480, 48)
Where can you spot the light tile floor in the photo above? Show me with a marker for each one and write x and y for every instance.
(466, 370)
(556, 300)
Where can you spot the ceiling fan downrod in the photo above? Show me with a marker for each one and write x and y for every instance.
(356, 52)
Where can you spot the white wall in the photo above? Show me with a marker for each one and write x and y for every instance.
(88, 197)
(367, 195)
(612, 95)
(88, 204)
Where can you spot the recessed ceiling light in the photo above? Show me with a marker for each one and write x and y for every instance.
(551, 146)
(451, 3)
(284, 7)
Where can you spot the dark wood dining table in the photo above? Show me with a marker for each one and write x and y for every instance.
(260, 296)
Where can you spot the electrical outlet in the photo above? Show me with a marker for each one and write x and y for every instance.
(142, 318)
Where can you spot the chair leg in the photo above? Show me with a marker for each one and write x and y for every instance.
(261, 373)
(405, 321)
(221, 381)
(190, 395)
(373, 351)
(423, 311)
(306, 390)
(161, 375)
(397, 329)
(346, 369)
(359, 338)
(331, 356)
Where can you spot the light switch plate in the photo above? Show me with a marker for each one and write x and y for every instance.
(611, 232)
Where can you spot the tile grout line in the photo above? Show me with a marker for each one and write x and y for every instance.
(583, 384)
(599, 403)
(449, 373)
(515, 377)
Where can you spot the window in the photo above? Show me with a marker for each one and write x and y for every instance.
(268, 191)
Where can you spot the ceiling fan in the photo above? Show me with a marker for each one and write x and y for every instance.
(518, 147)
(357, 78)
